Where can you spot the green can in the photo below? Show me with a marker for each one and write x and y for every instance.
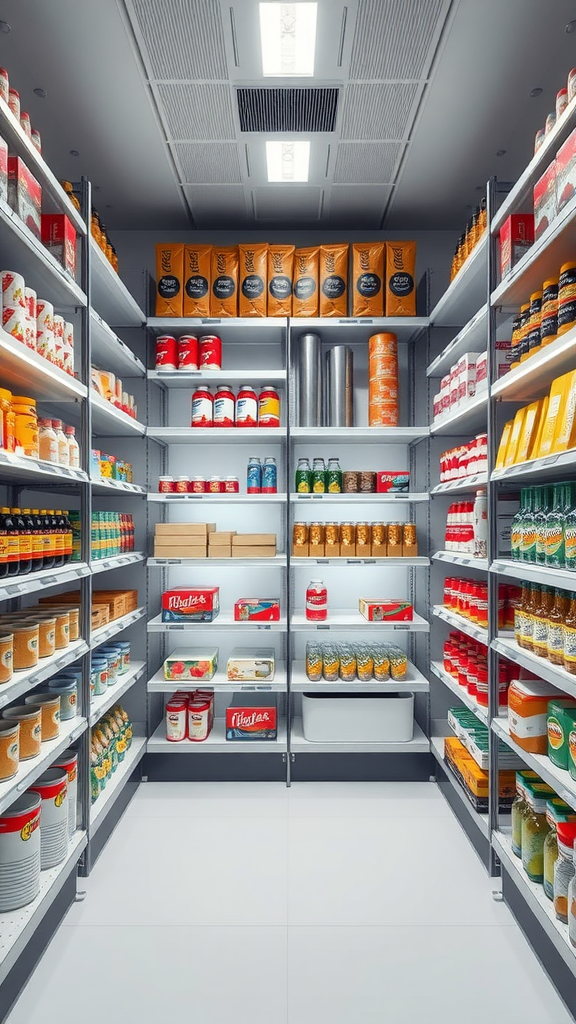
(303, 477)
(334, 477)
(319, 477)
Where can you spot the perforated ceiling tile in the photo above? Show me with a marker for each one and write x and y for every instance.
(365, 162)
(286, 202)
(357, 206)
(197, 112)
(392, 38)
(215, 162)
(183, 38)
(287, 110)
(215, 206)
(377, 111)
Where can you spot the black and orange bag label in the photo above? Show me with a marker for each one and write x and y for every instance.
(224, 298)
(253, 262)
(367, 279)
(334, 280)
(197, 280)
(280, 273)
(306, 298)
(169, 279)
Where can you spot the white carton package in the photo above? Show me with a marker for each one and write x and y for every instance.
(251, 664)
(482, 371)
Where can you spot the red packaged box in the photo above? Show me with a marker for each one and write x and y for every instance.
(515, 237)
(190, 604)
(59, 237)
(545, 200)
(257, 609)
(3, 170)
(385, 610)
(566, 171)
(251, 717)
(397, 480)
(24, 195)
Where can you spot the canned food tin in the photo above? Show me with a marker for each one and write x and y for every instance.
(210, 352)
(197, 485)
(316, 533)
(188, 352)
(367, 481)
(224, 406)
(202, 407)
(166, 352)
(176, 720)
(14, 102)
(166, 484)
(350, 481)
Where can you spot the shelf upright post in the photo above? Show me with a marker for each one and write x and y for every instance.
(86, 522)
(288, 535)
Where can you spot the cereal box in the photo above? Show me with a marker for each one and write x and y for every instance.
(24, 194)
(197, 664)
(257, 609)
(59, 237)
(250, 718)
(190, 604)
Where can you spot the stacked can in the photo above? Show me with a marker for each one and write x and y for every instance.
(383, 380)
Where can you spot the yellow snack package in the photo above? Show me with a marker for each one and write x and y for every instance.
(553, 415)
(567, 433)
(529, 431)
(503, 446)
(515, 435)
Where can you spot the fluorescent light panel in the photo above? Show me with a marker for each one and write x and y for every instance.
(288, 39)
(287, 161)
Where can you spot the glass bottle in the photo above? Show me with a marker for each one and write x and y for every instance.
(73, 448)
(570, 528)
(40, 529)
(58, 537)
(63, 450)
(36, 543)
(556, 811)
(541, 616)
(10, 542)
(519, 808)
(49, 540)
(529, 615)
(519, 612)
(569, 636)
(516, 527)
(540, 520)
(555, 529)
(564, 868)
(24, 542)
(334, 477)
(535, 828)
(556, 621)
(528, 530)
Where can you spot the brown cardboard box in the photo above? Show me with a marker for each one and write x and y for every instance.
(254, 540)
(179, 529)
(410, 550)
(363, 551)
(395, 551)
(220, 551)
(347, 551)
(379, 551)
(180, 551)
(332, 551)
(317, 550)
(221, 537)
(300, 550)
(254, 552)
(180, 540)
(130, 597)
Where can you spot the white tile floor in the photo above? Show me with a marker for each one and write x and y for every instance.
(343, 903)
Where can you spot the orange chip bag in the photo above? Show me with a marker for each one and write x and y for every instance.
(224, 298)
(280, 270)
(305, 300)
(197, 279)
(253, 278)
(367, 278)
(334, 279)
(400, 271)
(169, 277)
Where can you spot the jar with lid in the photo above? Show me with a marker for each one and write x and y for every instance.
(564, 869)
(334, 477)
(567, 297)
(47, 441)
(73, 448)
(556, 811)
(69, 190)
(303, 480)
(26, 425)
(268, 407)
(246, 407)
(63, 451)
(535, 828)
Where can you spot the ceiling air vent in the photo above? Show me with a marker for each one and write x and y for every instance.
(287, 110)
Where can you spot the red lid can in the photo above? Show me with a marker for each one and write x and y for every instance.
(224, 405)
(202, 407)
(188, 352)
(166, 352)
(210, 352)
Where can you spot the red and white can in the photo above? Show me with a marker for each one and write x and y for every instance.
(202, 407)
(198, 720)
(246, 407)
(210, 352)
(176, 719)
(188, 352)
(59, 340)
(269, 407)
(166, 352)
(316, 601)
(20, 852)
(231, 485)
(224, 402)
(4, 84)
(182, 485)
(215, 485)
(36, 139)
(197, 485)
(166, 484)
(27, 127)
(14, 102)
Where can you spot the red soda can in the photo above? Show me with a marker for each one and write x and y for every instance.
(316, 601)
(188, 352)
(210, 352)
(166, 352)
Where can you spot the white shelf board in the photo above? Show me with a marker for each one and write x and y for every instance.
(358, 329)
(17, 927)
(110, 296)
(24, 681)
(29, 770)
(223, 622)
(108, 421)
(543, 469)
(41, 271)
(459, 622)
(219, 682)
(217, 435)
(218, 499)
(554, 247)
(359, 435)
(27, 372)
(462, 695)
(457, 558)
(463, 485)
(352, 619)
(415, 682)
(216, 743)
(110, 351)
(112, 694)
(43, 579)
(535, 898)
(99, 565)
(279, 562)
(106, 486)
(467, 418)
(190, 378)
(100, 636)
(480, 820)
(240, 330)
(547, 575)
(404, 563)
(384, 498)
(560, 780)
(521, 194)
(419, 744)
(20, 145)
(555, 674)
(533, 378)
(106, 800)
(466, 293)
(472, 338)
(24, 470)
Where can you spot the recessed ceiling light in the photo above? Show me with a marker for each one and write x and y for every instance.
(288, 39)
(535, 92)
(287, 161)
(571, 27)
(500, 152)
(74, 152)
(5, 27)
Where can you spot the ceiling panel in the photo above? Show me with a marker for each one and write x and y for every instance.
(365, 162)
(216, 206)
(377, 111)
(197, 112)
(287, 110)
(357, 206)
(183, 39)
(392, 38)
(216, 162)
(287, 202)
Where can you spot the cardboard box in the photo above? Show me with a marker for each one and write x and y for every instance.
(516, 236)
(409, 551)
(392, 480)
(179, 529)
(395, 551)
(363, 550)
(379, 551)
(25, 195)
(566, 171)
(189, 540)
(254, 539)
(220, 538)
(252, 718)
(545, 200)
(385, 609)
(3, 170)
(332, 550)
(197, 664)
(255, 552)
(180, 551)
(191, 604)
(257, 609)
(220, 551)
(303, 550)
(59, 237)
(316, 550)
(251, 664)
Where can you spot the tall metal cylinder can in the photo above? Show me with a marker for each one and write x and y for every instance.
(340, 387)
(310, 380)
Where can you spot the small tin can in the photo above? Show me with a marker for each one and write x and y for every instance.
(216, 485)
(166, 352)
(182, 485)
(269, 476)
(231, 485)
(166, 484)
(188, 352)
(367, 481)
(197, 485)
(210, 352)
(254, 476)
(316, 533)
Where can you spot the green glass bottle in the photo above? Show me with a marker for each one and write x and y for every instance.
(555, 529)
(528, 537)
(540, 517)
(570, 529)
(516, 528)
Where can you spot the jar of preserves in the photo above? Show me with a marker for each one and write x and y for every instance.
(182, 485)
(347, 538)
(202, 407)
(519, 809)
(556, 620)
(534, 830)
(26, 425)
(364, 662)
(224, 403)
(198, 485)
(215, 485)
(363, 535)
(334, 477)
(14, 102)
(347, 659)
(330, 662)
(166, 484)
(316, 534)
(367, 484)
(300, 535)
(4, 85)
(246, 407)
(63, 449)
(231, 485)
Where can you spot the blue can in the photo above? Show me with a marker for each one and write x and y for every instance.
(269, 476)
(254, 477)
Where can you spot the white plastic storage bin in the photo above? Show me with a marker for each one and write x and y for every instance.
(358, 718)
